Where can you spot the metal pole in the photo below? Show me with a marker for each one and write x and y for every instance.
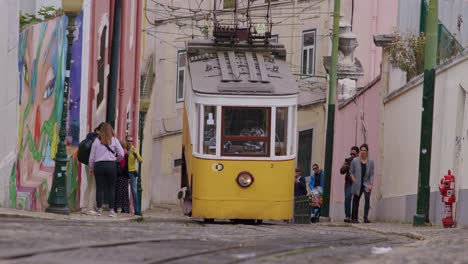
(423, 17)
(140, 131)
(58, 199)
(331, 110)
(430, 62)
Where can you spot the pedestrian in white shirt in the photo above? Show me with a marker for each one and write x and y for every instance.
(105, 153)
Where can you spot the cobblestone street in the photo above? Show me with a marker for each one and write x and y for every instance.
(163, 238)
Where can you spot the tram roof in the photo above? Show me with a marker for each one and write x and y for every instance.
(259, 69)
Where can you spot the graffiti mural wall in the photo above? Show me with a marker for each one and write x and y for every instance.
(74, 118)
(42, 55)
(73, 124)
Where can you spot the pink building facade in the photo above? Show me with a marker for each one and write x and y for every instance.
(129, 69)
(127, 101)
(368, 18)
(30, 179)
(358, 120)
(99, 59)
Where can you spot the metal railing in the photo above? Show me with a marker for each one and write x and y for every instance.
(302, 210)
(448, 45)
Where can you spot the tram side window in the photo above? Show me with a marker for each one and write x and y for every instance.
(209, 130)
(281, 136)
(246, 131)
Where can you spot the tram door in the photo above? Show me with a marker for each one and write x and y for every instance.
(304, 153)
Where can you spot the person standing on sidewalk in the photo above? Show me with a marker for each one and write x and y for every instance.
(105, 152)
(122, 199)
(133, 157)
(362, 174)
(316, 182)
(348, 183)
(300, 188)
(89, 205)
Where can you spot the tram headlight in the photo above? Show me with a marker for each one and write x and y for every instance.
(245, 179)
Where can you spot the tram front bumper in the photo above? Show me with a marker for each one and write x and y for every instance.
(242, 209)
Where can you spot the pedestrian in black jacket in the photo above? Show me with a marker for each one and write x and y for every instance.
(300, 188)
(348, 182)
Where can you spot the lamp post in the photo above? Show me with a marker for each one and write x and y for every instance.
(140, 130)
(421, 218)
(58, 200)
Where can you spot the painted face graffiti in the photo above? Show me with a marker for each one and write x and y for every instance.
(41, 67)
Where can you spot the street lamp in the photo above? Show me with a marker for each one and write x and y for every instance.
(58, 200)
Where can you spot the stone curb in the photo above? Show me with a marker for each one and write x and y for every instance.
(42, 216)
(411, 235)
(57, 217)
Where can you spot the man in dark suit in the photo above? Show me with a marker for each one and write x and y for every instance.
(300, 188)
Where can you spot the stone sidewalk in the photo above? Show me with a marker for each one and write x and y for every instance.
(165, 212)
(171, 212)
(14, 213)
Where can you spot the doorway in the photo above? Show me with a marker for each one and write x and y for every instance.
(304, 154)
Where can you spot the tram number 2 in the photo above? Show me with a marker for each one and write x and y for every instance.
(217, 167)
(272, 165)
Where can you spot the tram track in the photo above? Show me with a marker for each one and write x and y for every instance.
(221, 244)
(301, 250)
(269, 253)
(42, 251)
(233, 254)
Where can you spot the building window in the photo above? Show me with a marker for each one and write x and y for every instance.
(177, 163)
(101, 68)
(274, 39)
(229, 4)
(132, 23)
(181, 61)
(309, 39)
(245, 131)
(128, 122)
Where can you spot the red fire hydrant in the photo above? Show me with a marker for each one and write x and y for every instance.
(447, 190)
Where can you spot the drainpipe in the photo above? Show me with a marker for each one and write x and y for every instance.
(385, 77)
(423, 17)
(114, 64)
(136, 95)
(331, 110)
(122, 110)
(352, 14)
(375, 10)
(92, 57)
(136, 84)
(421, 217)
(293, 40)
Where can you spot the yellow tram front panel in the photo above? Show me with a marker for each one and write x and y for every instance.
(217, 195)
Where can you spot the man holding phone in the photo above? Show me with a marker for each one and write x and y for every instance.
(133, 158)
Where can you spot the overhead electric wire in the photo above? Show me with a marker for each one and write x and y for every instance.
(241, 9)
(190, 17)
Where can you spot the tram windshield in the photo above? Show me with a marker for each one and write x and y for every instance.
(234, 131)
(245, 131)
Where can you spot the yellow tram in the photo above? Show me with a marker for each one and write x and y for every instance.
(239, 132)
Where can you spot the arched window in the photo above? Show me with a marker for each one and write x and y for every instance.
(102, 67)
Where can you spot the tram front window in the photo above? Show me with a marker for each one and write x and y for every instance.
(245, 131)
